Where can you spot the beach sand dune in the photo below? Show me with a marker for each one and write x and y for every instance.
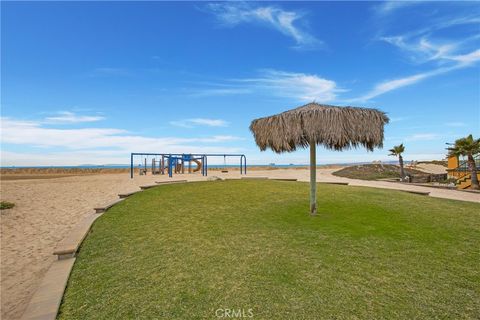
(47, 209)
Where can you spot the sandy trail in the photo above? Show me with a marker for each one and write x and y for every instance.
(430, 168)
(47, 209)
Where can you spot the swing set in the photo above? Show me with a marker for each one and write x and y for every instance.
(170, 163)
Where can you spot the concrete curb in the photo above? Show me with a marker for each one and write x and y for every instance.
(338, 183)
(422, 193)
(169, 182)
(107, 206)
(148, 186)
(128, 194)
(46, 300)
(68, 247)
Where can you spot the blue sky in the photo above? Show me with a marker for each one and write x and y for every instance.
(90, 82)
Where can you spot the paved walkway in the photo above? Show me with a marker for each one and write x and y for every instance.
(325, 175)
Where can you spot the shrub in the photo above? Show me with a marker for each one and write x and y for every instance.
(6, 205)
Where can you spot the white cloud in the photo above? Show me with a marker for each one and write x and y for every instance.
(209, 122)
(70, 117)
(467, 58)
(108, 71)
(423, 137)
(298, 86)
(101, 157)
(456, 124)
(107, 141)
(47, 146)
(94, 157)
(426, 45)
(220, 92)
(388, 7)
(422, 49)
(397, 119)
(286, 22)
(190, 123)
(390, 85)
(62, 158)
(443, 22)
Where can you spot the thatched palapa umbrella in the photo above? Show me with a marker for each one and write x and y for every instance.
(336, 128)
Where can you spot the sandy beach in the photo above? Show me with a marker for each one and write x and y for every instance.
(47, 209)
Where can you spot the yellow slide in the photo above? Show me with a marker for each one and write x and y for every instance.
(199, 165)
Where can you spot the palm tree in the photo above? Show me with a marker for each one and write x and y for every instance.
(397, 152)
(467, 147)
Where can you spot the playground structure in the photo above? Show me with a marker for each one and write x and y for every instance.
(170, 163)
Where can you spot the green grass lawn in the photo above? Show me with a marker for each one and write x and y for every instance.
(183, 251)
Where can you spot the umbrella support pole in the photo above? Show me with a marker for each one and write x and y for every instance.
(313, 178)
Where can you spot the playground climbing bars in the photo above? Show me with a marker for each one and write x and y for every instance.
(175, 162)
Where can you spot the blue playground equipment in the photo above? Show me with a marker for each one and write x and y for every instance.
(171, 163)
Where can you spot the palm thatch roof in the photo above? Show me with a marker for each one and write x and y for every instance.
(336, 128)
